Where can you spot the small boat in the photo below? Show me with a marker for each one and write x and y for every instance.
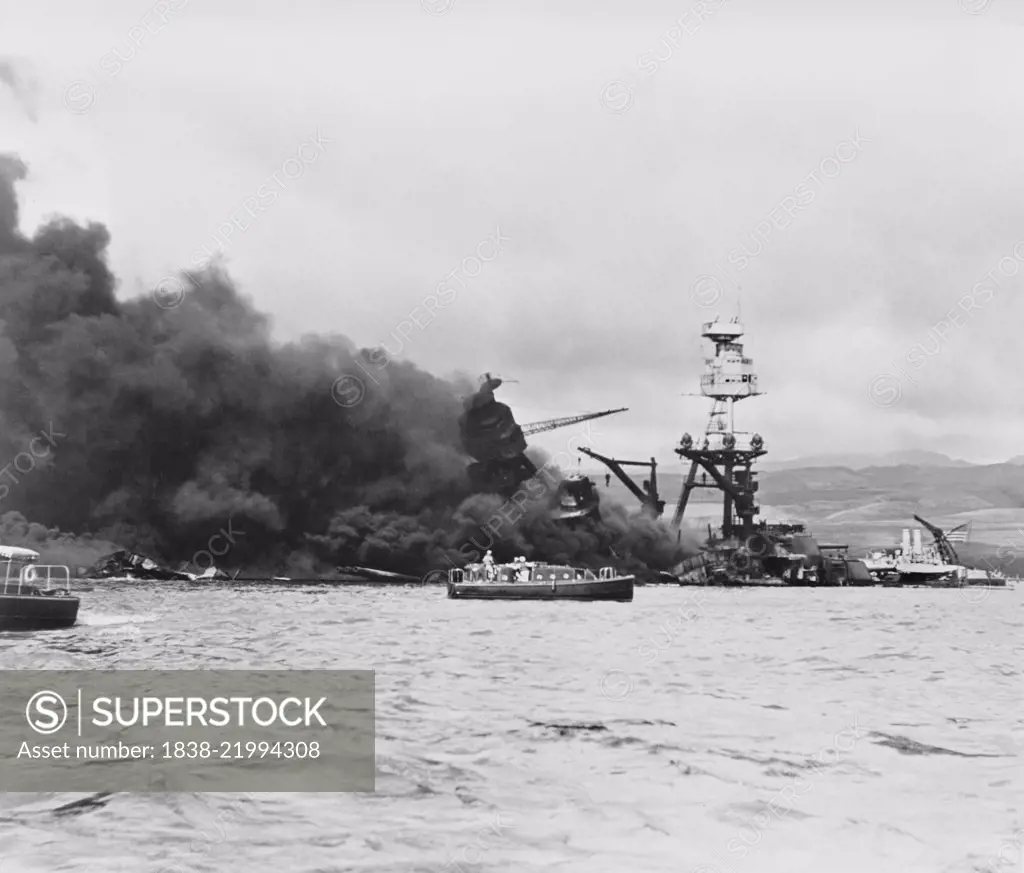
(34, 596)
(986, 578)
(530, 580)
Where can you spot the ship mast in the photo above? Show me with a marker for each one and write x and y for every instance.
(726, 455)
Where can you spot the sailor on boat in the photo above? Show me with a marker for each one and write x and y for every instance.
(489, 566)
(522, 571)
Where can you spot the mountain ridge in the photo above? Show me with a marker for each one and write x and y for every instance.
(862, 460)
(869, 505)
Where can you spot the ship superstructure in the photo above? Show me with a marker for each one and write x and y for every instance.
(725, 455)
(745, 549)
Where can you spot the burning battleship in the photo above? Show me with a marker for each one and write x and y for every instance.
(745, 549)
(497, 444)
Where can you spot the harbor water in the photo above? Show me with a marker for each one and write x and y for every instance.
(692, 731)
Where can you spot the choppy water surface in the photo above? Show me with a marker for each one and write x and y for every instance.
(859, 730)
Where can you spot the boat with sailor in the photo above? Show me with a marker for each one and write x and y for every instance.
(34, 596)
(535, 580)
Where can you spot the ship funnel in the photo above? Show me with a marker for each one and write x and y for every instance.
(905, 542)
(917, 542)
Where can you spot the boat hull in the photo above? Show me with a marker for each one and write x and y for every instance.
(19, 612)
(619, 588)
(917, 577)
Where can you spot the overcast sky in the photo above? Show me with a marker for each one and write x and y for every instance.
(617, 181)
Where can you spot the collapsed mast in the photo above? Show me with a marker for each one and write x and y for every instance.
(497, 443)
(725, 455)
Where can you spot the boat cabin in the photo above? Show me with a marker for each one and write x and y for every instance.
(525, 571)
(23, 574)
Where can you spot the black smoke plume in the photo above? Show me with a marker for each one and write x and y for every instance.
(170, 422)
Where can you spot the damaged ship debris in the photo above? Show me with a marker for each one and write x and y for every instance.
(128, 565)
(493, 438)
(497, 443)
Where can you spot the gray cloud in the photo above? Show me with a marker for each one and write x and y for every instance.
(25, 90)
(447, 126)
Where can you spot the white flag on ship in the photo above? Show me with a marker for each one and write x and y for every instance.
(959, 534)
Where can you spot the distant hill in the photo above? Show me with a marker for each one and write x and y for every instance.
(876, 491)
(870, 505)
(859, 461)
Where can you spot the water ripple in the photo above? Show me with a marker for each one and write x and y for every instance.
(773, 731)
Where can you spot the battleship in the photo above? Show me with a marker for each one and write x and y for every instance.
(746, 550)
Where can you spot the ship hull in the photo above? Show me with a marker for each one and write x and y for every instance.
(619, 588)
(929, 574)
(23, 612)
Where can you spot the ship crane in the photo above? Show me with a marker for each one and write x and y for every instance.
(552, 423)
(648, 495)
(497, 444)
(941, 542)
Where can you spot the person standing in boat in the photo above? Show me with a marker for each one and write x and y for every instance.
(522, 571)
(489, 566)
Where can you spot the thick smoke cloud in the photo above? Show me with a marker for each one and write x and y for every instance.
(12, 170)
(157, 427)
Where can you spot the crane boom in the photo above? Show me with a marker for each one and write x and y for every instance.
(941, 543)
(684, 497)
(648, 495)
(552, 423)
